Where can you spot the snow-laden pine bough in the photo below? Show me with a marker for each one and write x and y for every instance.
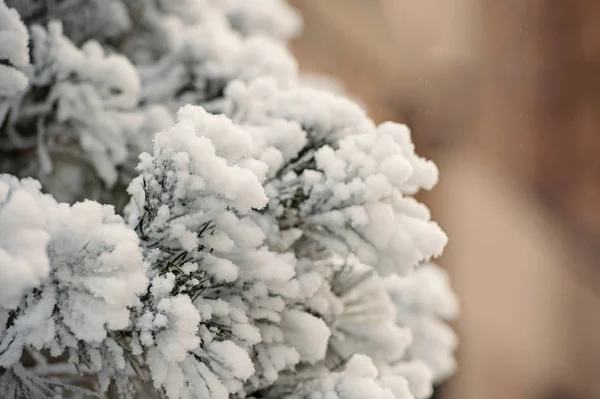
(258, 239)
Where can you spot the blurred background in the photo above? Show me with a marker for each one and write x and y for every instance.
(505, 97)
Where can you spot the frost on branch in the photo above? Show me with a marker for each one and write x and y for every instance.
(425, 303)
(187, 51)
(342, 181)
(189, 206)
(358, 380)
(23, 241)
(415, 372)
(96, 274)
(339, 185)
(353, 302)
(79, 119)
(197, 71)
(158, 26)
(278, 241)
(88, 89)
(275, 18)
(14, 54)
(82, 19)
(116, 22)
(74, 114)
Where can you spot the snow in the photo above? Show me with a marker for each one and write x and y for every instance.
(23, 240)
(424, 302)
(13, 37)
(95, 272)
(358, 380)
(273, 17)
(307, 333)
(14, 48)
(270, 244)
(353, 173)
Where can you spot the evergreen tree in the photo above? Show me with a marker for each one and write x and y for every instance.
(181, 217)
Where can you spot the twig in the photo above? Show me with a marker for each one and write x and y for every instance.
(42, 151)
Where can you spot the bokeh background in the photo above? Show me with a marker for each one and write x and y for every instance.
(505, 97)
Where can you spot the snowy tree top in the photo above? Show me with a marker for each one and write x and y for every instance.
(14, 51)
(269, 247)
(339, 178)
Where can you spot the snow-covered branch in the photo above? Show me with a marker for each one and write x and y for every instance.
(260, 239)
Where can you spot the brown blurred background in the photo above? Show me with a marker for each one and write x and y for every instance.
(504, 95)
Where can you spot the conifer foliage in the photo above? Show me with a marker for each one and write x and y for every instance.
(180, 217)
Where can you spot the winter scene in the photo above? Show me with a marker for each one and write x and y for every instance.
(182, 217)
(214, 199)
